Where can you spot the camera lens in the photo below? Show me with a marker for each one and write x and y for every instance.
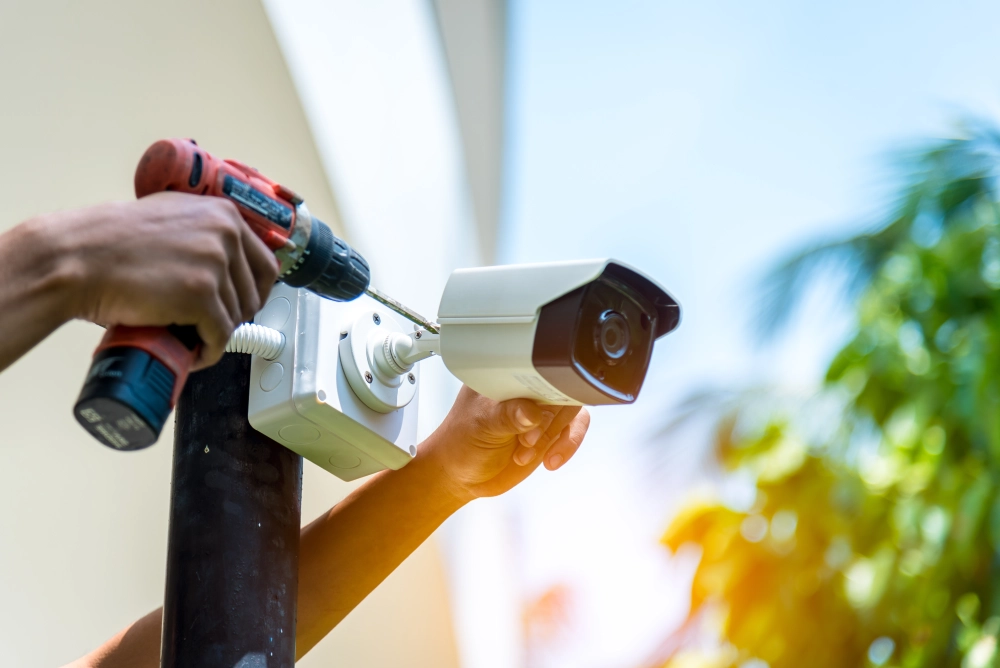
(594, 343)
(612, 336)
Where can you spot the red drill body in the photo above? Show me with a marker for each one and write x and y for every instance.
(138, 372)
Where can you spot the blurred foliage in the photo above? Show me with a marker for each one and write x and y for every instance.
(875, 540)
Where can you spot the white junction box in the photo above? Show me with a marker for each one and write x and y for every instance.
(303, 399)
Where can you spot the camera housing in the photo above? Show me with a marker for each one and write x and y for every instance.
(568, 333)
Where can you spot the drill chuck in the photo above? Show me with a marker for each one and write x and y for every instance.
(329, 267)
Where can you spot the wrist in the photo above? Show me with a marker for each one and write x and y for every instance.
(74, 256)
(433, 470)
(34, 257)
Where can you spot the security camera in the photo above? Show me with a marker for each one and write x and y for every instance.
(570, 333)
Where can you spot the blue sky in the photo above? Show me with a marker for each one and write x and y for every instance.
(701, 141)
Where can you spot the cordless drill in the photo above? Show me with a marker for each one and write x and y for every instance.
(138, 372)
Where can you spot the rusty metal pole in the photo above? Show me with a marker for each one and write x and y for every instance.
(233, 547)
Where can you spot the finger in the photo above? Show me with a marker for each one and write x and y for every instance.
(214, 328)
(227, 292)
(541, 438)
(245, 285)
(226, 227)
(568, 443)
(525, 451)
(261, 262)
(563, 417)
(558, 432)
(524, 455)
(544, 434)
(515, 416)
(529, 438)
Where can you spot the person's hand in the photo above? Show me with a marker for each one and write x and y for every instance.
(484, 448)
(168, 258)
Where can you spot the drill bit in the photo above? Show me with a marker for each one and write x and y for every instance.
(402, 310)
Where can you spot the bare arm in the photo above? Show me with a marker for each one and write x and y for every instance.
(135, 646)
(36, 290)
(482, 449)
(349, 550)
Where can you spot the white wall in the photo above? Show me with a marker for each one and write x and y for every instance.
(87, 86)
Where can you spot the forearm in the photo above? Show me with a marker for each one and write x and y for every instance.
(349, 550)
(136, 646)
(36, 288)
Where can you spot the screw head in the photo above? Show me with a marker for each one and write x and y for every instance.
(376, 319)
(417, 335)
(410, 377)
(368, 376)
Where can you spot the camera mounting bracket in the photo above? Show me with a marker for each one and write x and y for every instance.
(304, 397)
(364, 349)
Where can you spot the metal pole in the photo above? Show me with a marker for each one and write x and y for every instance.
(233, 547)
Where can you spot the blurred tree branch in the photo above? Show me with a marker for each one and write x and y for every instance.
(875, 538)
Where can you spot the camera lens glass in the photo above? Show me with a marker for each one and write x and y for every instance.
(612, 346)
(612, 337)
(594, 343)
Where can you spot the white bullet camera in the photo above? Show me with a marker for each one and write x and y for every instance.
(568, 333)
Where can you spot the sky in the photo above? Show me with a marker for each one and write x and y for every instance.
(701, 142)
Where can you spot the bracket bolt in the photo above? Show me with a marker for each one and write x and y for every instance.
(376, 319)
(368, 377)
(410, 377)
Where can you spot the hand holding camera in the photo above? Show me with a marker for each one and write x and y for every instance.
(484, 448)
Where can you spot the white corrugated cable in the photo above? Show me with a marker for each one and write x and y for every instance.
(254, 339)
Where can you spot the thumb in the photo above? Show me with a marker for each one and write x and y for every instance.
(513, 417)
